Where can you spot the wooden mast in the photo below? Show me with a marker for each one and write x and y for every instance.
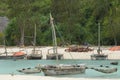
(99, 50)
(54, 37)
(22, 37)
(5, 46)
(34, 41)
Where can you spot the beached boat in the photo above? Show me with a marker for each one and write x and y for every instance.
(12, 55)
(36, 54)
(105, 69)
(2, 56)
(30, 70)
(5, 55)
(55, 54)
(99, 55)
(19, 55)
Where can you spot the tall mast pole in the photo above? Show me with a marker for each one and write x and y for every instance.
(34, 41)
(22, 36)
(54, 37)
(5, 46)
(99, 38)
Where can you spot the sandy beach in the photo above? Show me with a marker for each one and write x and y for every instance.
(23, 77)
(67, 55)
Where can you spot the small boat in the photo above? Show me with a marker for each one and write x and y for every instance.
(36, 54)
(55, 55)
(19, 55)
(105, 69)
(114, 63)
(62, 69)
(30, 70)
(15, 56)
(99, 56)
(10, 55)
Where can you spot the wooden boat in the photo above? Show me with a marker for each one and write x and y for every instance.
(105, 69)
(36, 54)
(55, 54)
(64, 69)
(14, 56)
(114, 63)
(99, 56)
(52, 70)
(30, 70)
(19, 55)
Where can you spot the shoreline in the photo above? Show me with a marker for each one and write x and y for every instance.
(31, 77)
(112, 55)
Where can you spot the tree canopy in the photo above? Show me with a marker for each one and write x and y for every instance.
(76, 21)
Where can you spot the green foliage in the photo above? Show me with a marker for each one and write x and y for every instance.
(76, 21)
(12, 33)
(1, 38)
(3, 7)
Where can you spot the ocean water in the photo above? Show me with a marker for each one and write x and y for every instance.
(11, 66)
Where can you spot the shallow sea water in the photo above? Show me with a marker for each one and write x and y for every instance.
(11, 66)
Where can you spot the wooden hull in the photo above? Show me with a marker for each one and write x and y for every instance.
(19, 57)
(53, 56)
(6, 57)
(12, 57)
(114, 63)
(63, 70)
(29, 71)
(105, 70)
(34, 56)
(99, 57)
